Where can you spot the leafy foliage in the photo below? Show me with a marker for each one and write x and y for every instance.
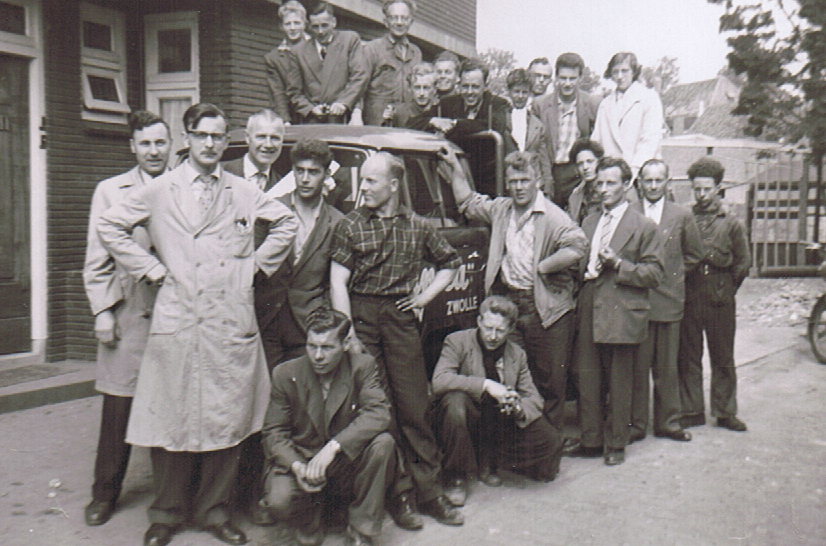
(499, 63)
(662, 76)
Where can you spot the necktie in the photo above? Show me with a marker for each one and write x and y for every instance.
(261, 180)
(207, 195)
(323, 52)
(604, 237)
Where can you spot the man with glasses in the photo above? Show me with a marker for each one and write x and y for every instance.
(203, 385)
(333, 70)
(541, 73)
(390, 60)
(534, 246)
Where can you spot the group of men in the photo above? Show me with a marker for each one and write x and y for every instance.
(265, 347)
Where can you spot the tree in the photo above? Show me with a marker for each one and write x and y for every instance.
(590, 80)
(662, 76)
(499, 63)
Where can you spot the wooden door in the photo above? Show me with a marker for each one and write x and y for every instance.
(15, 285)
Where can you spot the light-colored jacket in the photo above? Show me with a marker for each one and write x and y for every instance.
(631, 126)
(203, 383)
(554, 293)
(109, 286)
(461, 368)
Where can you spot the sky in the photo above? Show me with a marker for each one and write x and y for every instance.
(596, 29)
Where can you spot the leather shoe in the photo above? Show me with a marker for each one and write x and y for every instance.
(442, 511)
(261, 516)
(636, 436)
(228, 532)
(490, 478)
(731, 423)
(614, 457)
(98, 512)
(680, 435)
(159, 534)
(354, 538)
(692, 420)
(456, 491)
(569, 445)
(404, 515)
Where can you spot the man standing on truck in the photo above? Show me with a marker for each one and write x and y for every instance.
(534, 246)
(378, 252)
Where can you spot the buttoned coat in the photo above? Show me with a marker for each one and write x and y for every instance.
(631, 127)
(300, 421)
(682, 249)
(461, 368)
(303, 285)
(283, 79)
(109, 286)
(203, 383)
(621, 302)
(341, 77)
(543, 128)
(553, 294)
(389, 76)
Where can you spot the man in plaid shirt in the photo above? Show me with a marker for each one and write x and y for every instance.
(378, 252)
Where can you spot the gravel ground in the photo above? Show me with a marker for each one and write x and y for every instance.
(778, 302)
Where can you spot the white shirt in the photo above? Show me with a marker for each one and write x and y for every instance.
(608, 223)
(654, 210)
(519, 121)
(250, 170)
(517, 263)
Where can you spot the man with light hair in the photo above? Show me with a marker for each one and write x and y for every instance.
(265, 137)
(447, 73)
(283, 77)
(424, 96)
(390, 60)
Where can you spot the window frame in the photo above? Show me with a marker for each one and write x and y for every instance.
(104, 64)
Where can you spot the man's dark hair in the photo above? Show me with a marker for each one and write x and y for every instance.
(323, 7)
(469, 65)
(324, 319)
(312, 149)
(448, 56)
(707, 167)
(619, 58)
(569, 60)
(653, 163)
(195, 113)
(141, 119)
(539, 60)
(523, 162)
(610, 162)
(500, 305)
(518, 76)
(586, 144)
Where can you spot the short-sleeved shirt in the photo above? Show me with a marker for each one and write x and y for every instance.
(385, 256)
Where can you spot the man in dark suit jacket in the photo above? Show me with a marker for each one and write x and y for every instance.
(265, 137)
(682, 250)
(474, 109)
(325, 435)
(612, 311)
(557, 121)
(333, 68)
(283, 76)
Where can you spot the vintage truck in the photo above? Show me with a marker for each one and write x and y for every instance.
(426, 191)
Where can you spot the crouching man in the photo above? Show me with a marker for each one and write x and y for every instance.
(325, 435)
(490, 413)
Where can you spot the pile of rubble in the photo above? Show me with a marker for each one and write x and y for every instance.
(778, 302)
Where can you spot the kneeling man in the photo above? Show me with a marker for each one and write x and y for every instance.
(489, 405)
(325, 435)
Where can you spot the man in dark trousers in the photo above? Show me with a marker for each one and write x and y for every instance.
(378, 253)
(333, 69)
(612, 312)
(489, 405)
(710, 305)
(533, 247)
(283, 76)
(326, 437)
(658, 353)
(122, 308)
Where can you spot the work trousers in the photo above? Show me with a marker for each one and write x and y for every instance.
(361, 483)
(718, 322)
(657, 353)
(392, 338)
(475, 433)
(548, 353)
(604, 374)
(113, 451)
(283, 339)
(192, 486)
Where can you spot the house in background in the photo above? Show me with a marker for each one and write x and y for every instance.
(70, 71)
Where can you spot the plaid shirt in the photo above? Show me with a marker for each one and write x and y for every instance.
(385, 255)
(568, 130)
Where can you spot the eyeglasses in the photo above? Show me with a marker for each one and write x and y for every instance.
(203, 135)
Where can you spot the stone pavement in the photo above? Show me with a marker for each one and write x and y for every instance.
(763, 487)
